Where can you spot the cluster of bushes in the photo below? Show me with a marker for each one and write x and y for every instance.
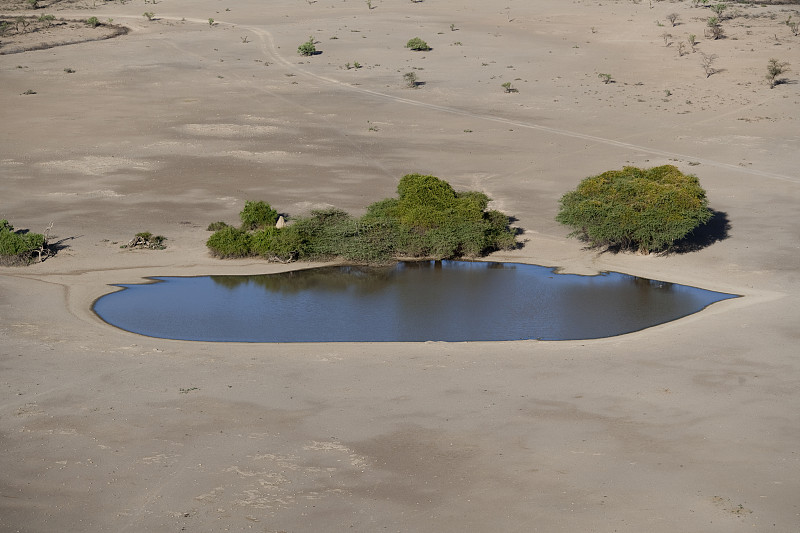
(428, 219)
(18, 247)
(648, 210)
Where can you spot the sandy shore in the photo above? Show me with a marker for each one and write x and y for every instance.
(691, 426)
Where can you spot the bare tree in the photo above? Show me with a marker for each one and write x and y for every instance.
(673, 18)
(707, 62)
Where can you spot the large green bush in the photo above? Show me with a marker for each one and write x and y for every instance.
(17, 247)
(644, 209)
(427, 219)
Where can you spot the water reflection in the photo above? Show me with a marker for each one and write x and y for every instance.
(413, 301)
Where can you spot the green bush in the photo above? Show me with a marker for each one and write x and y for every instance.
(633, 208)
(307, 48)
(230, 242)
(428, 219)
(257, 215)
(284, 244)
(417, 45)
(17, 247)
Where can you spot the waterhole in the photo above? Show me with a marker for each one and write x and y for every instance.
(406, 302)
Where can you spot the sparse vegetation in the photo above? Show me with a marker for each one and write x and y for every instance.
(149, 15)
(635, 209)
(410, 79)
(47, 19)
(428, 219)
(145, 239)
(605, 77)
(774, 69)
(417, 45)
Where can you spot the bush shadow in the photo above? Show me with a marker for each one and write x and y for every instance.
(715, 230)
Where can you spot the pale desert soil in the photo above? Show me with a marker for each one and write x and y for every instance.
(691, 426)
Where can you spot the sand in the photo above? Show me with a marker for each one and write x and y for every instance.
(690, 426)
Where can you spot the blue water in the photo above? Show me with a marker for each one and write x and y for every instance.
(411, 301)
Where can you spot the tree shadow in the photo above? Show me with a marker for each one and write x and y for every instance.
(715, 230)
(59, 245)
(518, 231)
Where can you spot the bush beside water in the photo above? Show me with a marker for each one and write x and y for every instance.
(636, 209)
(428, 219)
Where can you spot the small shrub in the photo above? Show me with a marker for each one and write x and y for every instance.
(714, 28)
(605, 77)
(149, 15)
(411, 80)
(307, 48)
(644, 209)
(210, 22)
(673, 18)
(257, 215)
(719, 9)
(509, 88)
(774, 69)
(418, 45)
(47, 19)
(216, 226)
(93, 22)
